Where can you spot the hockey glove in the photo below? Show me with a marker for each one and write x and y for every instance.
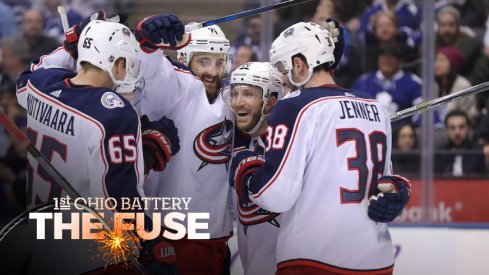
(73, 34)
(386, 206)
(160, 143)
(154, 29)
(243, 166)
(336, 31)
(158, 257)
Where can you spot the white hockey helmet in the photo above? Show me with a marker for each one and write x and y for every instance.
(311, 40)
(101, 43)
(206, 40)
(262, 75)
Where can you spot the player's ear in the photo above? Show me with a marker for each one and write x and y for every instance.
(119, 69)
(270, 103)
(181, 60)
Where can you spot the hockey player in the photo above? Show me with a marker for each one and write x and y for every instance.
(328, 147)
(255, 89)
(194, 101)
(83, 123)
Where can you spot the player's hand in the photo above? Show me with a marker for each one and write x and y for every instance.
(243, 166)
(387, 205)
(155, 29)
(73, 34)
(336, 31)
(158, 257)
(160, 142)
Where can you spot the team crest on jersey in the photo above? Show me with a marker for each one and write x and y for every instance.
(213, 145)
(288, 32)
(111, 100)
(250, 214)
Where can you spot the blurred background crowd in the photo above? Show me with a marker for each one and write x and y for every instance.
(383, 57)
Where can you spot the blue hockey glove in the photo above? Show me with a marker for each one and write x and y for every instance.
(160, 142)
(73, 34)
(339, 46)
(158, 257)
(153, 30)
(243, 166)
(386, 206)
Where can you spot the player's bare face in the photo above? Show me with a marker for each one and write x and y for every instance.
(209, 67)
(247, 103)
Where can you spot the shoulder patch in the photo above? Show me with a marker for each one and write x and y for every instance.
(292, 94)
(111, 100)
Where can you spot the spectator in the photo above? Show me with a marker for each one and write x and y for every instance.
(15, 57)
(244, 54)
(53, 26)
(484, 138)
(407, 13)
(405, 154)
(395, 88)
(450, 34)
(8, 26)
(386, 29)
(251, 37)
(13, 163)
(32, 33)
(462, 154)
(447, 66)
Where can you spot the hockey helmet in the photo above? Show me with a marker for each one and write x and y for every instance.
(311, 40)
(101, 43)
(206, 40)
(262, 75)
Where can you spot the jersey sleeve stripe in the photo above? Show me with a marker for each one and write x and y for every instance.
(335, 269)
(88, 118)
(35, 66)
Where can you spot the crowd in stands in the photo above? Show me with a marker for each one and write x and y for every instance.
(382, 57)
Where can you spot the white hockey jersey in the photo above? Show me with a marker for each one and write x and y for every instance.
(327, 148)
(199, 169)
(90, 135)
(257, 228)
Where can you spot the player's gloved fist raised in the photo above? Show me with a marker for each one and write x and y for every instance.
(73, 34)
(386, 206)
(160, 142)
(158, 257)
(336, 31)
(243, 166)
(158, 29)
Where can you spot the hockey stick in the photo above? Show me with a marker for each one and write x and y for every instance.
(58, 179)
(64, 18)
(422, 107)
(232, 17)
(43, 162)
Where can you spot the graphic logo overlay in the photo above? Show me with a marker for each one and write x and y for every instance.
(213, 145)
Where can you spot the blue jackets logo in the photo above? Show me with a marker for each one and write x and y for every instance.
(213, 145)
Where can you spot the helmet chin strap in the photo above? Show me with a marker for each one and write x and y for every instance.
(300, 84)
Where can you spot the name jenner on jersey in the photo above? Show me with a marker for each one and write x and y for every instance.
(358, 109)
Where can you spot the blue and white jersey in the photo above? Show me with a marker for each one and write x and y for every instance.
(90, 135)
(327, 148)
(199, 170)
(257, 227)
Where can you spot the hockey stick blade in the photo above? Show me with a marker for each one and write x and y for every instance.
(424, 106)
